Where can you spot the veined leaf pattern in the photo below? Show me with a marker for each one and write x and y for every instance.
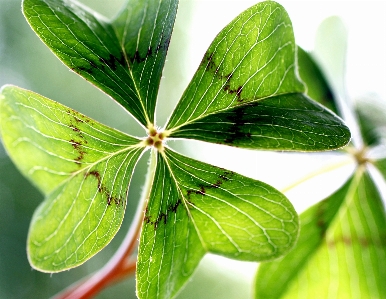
(251, 58)
(82, 167)
(197, 208)
(288, 122)
(341, 251)
(246, 91)
(123, 57)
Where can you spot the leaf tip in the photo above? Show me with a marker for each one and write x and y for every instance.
(6, 86)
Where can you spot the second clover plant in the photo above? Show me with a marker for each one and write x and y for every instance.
(245, 93)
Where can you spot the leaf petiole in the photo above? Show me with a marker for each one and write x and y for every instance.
(320, 171)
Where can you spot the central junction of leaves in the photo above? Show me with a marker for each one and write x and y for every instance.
(156, 138)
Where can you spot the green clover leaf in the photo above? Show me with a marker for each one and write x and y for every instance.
(341, 248)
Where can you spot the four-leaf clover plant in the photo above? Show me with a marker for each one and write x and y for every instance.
(245, 93)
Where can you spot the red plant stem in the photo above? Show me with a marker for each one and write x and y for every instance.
(119, 266)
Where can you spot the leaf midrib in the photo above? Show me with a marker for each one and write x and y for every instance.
(184, 201)
(130, 71)
(120, 42)
(174, 129)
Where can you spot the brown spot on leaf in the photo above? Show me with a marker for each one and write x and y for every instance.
(79, 149)
(208, 62)
(163, 216)
(78, 141)
(163, 45)
(203, 188)
(97, 175)
(112, 61)
(93, 65)
(79, 118)
(233, 91)
(237, 118)
(75, 129)
(362, 241)
(110, 198)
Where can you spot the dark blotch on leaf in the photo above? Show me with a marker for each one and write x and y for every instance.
(77, 145)
(163, 45)
(79, 149)
(75, 129)
(97, 175)
(102, 63)
(237, 118)
(320, 219)
(86, 69)
(112, 61)
(93, 65)
(163, 216)
(137, 58)
(208, 62)
(104, 190)
(233, 91)
(236, 91)
(203, 188)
